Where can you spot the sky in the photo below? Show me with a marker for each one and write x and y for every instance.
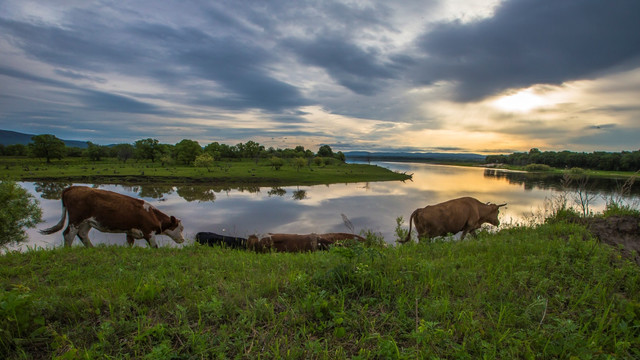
(485, 76)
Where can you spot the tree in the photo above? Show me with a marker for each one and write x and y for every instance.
(16, 150)
(123, 152)
(298, 163)
(252, 150)
(47, 146)
(325, 151)
(146, 149)
(19, 210)
(203, 160)
(276, 162)
(187, 151)
(95, 152)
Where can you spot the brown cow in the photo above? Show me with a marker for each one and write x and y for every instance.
(297, 243)
(108, 211)
(465, 214)
(283, 242)
(328, 239)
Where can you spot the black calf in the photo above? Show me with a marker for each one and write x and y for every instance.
(212, 239)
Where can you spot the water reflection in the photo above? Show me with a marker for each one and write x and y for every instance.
(245, 210)
(605, 186)
(50, 190)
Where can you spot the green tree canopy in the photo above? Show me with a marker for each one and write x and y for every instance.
(47, 146)
(19, 210)
(325, 151)
(204, 160)
(146, 149)
(95, 152)
(187, 150)
(123, 152)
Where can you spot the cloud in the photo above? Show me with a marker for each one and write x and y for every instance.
(351, 66)
(530, 42)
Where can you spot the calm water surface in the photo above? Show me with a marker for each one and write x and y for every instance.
(305, 209)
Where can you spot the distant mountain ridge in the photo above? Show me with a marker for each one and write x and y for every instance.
(407, 156)
(8, 137)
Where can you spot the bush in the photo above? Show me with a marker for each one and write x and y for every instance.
(19, 210)
(616, 209)
(538, 167)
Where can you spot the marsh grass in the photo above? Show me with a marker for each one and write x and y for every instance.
(540, 293)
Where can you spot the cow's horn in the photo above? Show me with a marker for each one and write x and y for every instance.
(505, 204)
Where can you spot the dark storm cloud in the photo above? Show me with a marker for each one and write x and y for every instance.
(238, 66)
(350, 65)
(623, 137)
(531, 42)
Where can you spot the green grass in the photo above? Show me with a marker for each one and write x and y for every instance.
(223, 172)
(587, 172)
(549, 292)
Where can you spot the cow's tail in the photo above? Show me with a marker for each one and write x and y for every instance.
(57, 227)
(408, 237)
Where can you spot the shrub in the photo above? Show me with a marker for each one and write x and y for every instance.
(538, 167)
(19, 210)
(615, 209)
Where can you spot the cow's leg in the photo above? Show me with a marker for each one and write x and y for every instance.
(69, 234)
(83, 234)
(130, 240)
(151, 241)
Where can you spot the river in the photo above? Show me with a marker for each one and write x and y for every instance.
(370, 206)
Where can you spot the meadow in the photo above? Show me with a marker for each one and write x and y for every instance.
(221, 172)
(544, 292)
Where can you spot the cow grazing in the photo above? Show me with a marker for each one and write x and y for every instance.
(465, 214)
(328, 239)
(296, 242)
(108, 211)
(283, 243)
(212, 239)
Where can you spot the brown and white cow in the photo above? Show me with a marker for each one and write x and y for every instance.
(328, 239)
(465, 214)
(296, 242)
(283, 242)
(111, 212)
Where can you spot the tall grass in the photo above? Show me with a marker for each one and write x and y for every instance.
(538, 293)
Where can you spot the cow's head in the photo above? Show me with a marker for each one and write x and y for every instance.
(492, 216)
(253, 243)
(174, 230)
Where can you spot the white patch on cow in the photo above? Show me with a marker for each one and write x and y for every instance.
(175, 234)
(147, 206)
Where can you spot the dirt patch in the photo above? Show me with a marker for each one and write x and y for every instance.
(621, 232)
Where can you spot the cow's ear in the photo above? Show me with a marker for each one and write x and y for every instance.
(173, 219)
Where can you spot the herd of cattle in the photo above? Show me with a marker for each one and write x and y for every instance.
(112, 212)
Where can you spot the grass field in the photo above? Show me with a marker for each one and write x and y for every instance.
(548, 292)
(223, 172)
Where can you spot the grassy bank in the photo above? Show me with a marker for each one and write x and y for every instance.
(543, 293)
(556, 171)
(222, 172)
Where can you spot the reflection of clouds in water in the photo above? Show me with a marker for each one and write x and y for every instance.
(370, 206)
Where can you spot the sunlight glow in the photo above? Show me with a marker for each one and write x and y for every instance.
(522, 101)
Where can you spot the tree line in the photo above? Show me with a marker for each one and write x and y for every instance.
(598, 160)
(186, 152)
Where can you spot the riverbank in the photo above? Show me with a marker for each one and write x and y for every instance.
(219, 173)
(556, 171)
(550, 291)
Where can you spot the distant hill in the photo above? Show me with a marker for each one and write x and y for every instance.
(8, 137)
(406, 156)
